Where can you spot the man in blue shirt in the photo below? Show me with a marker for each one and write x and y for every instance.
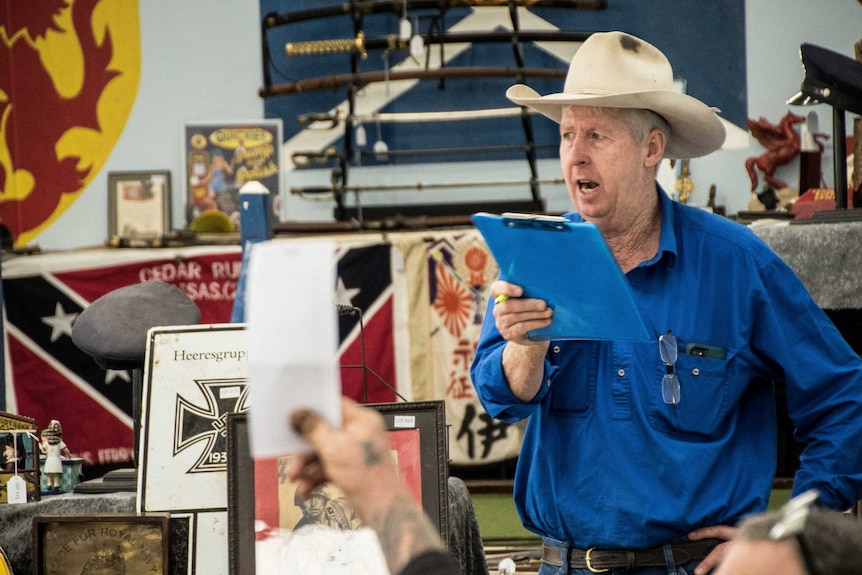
(642, 456)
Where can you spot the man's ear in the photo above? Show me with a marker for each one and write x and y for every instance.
(656, 142)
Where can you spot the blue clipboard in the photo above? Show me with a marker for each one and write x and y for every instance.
(569, 265)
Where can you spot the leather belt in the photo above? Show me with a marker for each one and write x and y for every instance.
(601, 560)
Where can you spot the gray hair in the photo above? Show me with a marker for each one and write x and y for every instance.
(642, 122)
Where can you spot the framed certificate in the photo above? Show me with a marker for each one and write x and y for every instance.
(139, 204)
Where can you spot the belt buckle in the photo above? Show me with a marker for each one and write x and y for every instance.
(589, 563)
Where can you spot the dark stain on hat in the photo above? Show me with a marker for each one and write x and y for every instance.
(629, 43)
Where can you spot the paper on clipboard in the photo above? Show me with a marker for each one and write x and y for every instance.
(569, 265)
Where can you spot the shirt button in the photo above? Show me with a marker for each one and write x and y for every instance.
(621, 372)
(556, 349)
(695, 371)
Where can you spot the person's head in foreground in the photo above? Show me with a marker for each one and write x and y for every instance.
(801, 539)
(619, 115)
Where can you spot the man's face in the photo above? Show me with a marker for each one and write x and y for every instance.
(761, 558)
(609, 175)
(314, 505)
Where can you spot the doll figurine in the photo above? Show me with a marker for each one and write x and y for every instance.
(52, 447)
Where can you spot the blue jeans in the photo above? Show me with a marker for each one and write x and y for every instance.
(670, 569)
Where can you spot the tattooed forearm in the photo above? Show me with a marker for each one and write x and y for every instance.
(404, 532)
(372, 456)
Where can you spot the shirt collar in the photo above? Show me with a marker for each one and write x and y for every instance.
(667, 243)
(667, 236)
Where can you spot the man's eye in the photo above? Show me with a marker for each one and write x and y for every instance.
(595, 136)
(567, 136)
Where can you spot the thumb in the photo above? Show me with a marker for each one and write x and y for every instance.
(308, 424)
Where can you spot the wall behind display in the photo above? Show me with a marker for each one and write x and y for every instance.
(492, 149)
(201, 62)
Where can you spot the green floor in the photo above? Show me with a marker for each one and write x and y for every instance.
(498, 520)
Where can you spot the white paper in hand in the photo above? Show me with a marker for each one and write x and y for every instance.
(292, 335)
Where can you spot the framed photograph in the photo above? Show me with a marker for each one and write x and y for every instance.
(139, 204)
(220, 157)
(101, 543)
(264, 511)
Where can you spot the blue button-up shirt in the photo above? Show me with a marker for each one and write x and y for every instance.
(606, 462)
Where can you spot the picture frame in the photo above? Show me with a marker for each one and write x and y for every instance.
(257, 495)
(139, 204)
(110, 543)
(19, 455)
(219, 158)
(428, 418)
(240, 498)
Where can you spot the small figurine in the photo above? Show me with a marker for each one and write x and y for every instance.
(52, 447)
(782, 143)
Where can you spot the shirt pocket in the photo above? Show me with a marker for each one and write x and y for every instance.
(572, 394)
(702, 406)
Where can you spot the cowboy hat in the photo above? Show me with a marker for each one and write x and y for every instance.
(617, 70)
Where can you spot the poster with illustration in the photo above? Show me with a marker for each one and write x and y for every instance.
(220, 157)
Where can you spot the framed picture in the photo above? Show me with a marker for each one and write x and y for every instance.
(220, 157)
(240, 496)
(19, 458)
(101, 543)
(423, 425)
(264, 511)
(139, 204)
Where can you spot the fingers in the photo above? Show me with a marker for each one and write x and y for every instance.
(350, 410)
(305, 422)
(515, 318)
(712, 560)
(307, 472)
(725, 532)
(501, 288)
(316, 430)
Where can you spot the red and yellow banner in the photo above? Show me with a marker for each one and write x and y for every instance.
(69, 74)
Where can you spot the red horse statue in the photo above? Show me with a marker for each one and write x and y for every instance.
(782, 145)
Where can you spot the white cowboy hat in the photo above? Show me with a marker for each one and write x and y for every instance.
(617, 70)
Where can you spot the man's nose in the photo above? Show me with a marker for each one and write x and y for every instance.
(574, 152)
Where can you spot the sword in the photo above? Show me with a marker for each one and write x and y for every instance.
(335, 81)
(306, 158)
(399, 7)
(317, 190)
(392, 42)
(333, 120)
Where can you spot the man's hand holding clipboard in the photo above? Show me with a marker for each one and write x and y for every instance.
(516, 316)
(568, 266)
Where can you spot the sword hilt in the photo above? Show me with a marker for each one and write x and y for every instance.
(337, 46)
